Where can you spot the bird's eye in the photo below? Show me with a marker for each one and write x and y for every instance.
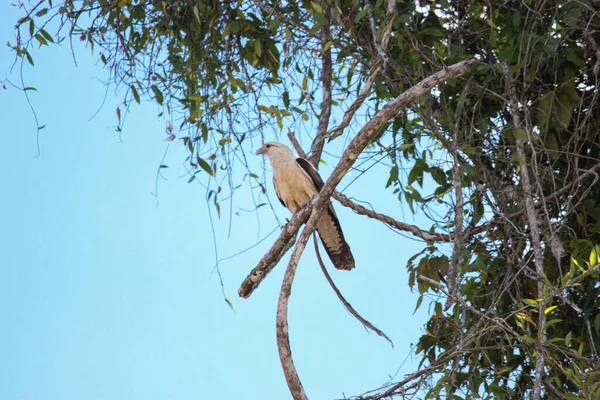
(268, 146)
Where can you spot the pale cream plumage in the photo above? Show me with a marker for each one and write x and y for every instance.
(296, 182)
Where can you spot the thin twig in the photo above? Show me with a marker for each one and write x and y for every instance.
(345, 302)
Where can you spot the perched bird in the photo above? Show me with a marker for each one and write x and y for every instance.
(296, 182)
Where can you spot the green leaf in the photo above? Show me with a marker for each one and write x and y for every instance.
(361, 14)
(29, 59)
(552, 322)
(527, 339)
(205, 166)
(520, 133)
(317, 7)
(47, 36)
(135, 93)
(42, 12)
(157, 94)
(258, 47)
(419, 301)
(286, 99)
(530, 302)
(568, 338)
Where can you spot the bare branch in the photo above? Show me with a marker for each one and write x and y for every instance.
(283, 243)
(534, 230)
(391, 222)
(326, 74)
(459, 212)
(349, 114)
(495, 321)
(295, 143)
(345, 302)
(281, 322)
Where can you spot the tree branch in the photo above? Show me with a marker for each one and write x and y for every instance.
(375, 68)
(391, 222)
(283, 243)
(532, 219)
(349, 308)
(270, 10)
(326, 74)
(281, 321)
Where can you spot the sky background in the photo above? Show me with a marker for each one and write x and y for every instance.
(104, 295)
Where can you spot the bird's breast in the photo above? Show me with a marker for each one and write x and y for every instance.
(294, 187)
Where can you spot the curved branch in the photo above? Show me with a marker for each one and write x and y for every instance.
(283, 338)
(349, 308)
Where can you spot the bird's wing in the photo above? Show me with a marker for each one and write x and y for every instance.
(277, 192)
(312, 173)
(328, 226)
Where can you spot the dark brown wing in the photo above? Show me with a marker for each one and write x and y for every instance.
(328, 226)
(312, 172)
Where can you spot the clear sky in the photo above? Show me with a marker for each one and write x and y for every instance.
(104, 295)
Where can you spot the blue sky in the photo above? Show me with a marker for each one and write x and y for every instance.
(104, 295)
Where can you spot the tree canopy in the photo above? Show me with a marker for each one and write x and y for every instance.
(503, 158)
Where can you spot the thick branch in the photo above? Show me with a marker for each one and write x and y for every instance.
(374, 126)
(281, 322)
(326, 74)
(283, 243)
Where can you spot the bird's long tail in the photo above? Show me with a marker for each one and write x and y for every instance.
(335, 244)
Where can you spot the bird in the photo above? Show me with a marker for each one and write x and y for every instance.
(296, 182)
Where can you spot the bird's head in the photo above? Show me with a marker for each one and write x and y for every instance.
(274, 149)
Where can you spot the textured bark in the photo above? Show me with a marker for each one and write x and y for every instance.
(534, 230)
(281, 246)
(326, 75)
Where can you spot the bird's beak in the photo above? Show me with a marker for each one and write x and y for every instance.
(260, 151)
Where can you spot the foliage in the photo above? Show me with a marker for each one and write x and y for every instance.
(521, 129)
